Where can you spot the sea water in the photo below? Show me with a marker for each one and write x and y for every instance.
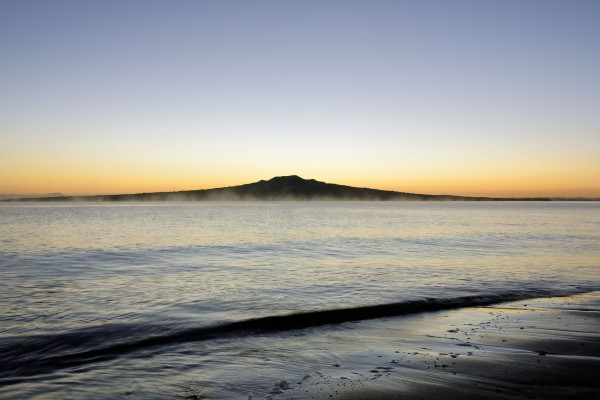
(169, 300)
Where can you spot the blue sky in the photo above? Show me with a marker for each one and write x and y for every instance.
(473, 97)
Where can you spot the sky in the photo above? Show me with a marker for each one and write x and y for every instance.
(491, 98)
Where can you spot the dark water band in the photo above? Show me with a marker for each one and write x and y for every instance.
(46, 354)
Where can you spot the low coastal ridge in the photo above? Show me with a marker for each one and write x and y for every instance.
(281, 188)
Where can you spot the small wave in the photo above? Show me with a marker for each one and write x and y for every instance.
(44, 354)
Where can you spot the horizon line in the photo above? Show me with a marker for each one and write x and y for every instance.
(13, 197)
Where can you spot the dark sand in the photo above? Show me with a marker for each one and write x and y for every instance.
(537, 349)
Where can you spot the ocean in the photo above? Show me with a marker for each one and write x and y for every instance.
(221, 300)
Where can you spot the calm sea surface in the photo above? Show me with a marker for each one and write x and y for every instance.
(137, 300)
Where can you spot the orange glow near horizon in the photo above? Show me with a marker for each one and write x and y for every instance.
(94, 165)
(102, 168)
(115, 180)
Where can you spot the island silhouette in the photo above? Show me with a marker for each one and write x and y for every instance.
(281, 188)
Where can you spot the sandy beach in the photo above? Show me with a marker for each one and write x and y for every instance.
(545, 348)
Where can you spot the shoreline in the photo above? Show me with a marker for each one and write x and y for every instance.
(545, 348)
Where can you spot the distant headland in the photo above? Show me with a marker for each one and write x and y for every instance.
(282, 188)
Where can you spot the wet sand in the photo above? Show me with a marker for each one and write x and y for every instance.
(537, 349)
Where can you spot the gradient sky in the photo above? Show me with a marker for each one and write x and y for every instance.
(478, 97)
